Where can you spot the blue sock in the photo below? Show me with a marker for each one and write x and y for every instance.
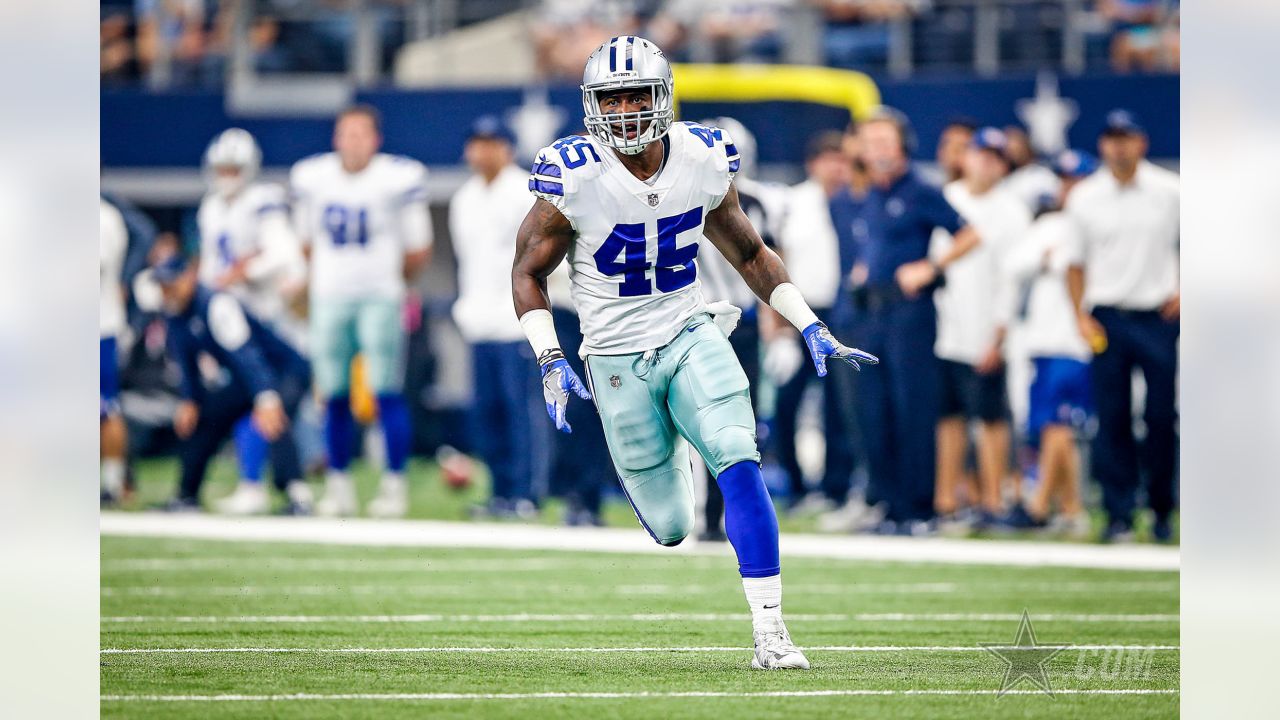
(339, 430)
(251, 450)
(749, 520)
(393, 411)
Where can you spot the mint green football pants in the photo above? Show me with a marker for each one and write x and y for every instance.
(341, 328)
(654, 404)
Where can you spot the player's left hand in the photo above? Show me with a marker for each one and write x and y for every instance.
(558, 380)
(822, 345)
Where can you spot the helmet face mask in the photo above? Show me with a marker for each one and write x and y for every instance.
(627, 64)
(234, 149)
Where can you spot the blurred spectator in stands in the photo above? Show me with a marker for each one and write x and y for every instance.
(1124, 283)
(953, 143)
(171, 39)
(857, 31)
(721, 31)
(809, 245)
(1139, 33)
(117, 61)
(1034, 184)
(484, 216)
(1060, 393)
(565, 32)
(974, 310)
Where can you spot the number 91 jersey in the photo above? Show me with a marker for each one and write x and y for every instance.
(633, 264)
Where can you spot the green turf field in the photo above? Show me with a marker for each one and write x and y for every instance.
(682, 619)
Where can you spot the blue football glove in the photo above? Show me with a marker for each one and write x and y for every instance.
(822, 345)
(558, 380)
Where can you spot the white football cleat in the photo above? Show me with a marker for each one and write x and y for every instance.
(392, 500)
(774, 649)
(249, 498)
(339, 497)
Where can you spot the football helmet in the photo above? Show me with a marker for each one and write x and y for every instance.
(627, 62)
(234, 148)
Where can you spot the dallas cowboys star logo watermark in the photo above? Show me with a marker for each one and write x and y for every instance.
(1024, 659)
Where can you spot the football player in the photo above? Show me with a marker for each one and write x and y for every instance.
(113, 240)
(628, 204)
(362, 217)
(247, 249)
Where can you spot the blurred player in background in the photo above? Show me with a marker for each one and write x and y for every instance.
(953, 144)
(363, 221)
(1033, 183)
(484, 217)
(247, 249)
(628, 204)
(113, 240)
(264, 376)
(974, 310)
(721, 282)
(1124, 283)
(894, 279)
(1060, 399)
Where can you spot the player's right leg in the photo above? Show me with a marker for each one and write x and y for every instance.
(381, 338)
(710, 403)
(651, 459)
(113, 432)
(333, 345)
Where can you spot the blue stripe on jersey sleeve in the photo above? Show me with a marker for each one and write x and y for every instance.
(733, 165)
(546, 187)
(546, 169)
(730, 149)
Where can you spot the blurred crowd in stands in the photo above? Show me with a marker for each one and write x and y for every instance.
(192, 39)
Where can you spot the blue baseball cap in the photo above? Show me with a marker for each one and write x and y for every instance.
(1074, 164)
(990, 138)
(1123, 122)
(490, 127)
(170, 268)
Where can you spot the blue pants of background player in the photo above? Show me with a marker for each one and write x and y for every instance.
(898, 405)
(502, 415)
(1142, 340)
(220, 410)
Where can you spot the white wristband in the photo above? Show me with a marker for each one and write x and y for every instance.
(790, 304)
(541, 331)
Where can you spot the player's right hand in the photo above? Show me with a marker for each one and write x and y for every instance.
(558, 380)
(185, 419)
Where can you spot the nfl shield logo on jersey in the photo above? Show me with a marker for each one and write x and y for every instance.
(653, 199)
(615, 381)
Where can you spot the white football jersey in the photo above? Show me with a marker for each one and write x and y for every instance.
(252, 225)
(113, 242)
(978, 297)
(633, 264)
(360, 225)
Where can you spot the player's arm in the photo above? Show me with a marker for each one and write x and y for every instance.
(541, 245)
(732, 233)
(419, 235)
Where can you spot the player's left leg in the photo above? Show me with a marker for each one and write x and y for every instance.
(249, 497)
(113, 432)
(381, 337)
(333, 345)
(710, 405)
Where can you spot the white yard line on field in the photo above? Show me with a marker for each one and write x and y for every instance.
(945, 588)
(483, 650)
(638, 617)
(426, 533)
(617, 695)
